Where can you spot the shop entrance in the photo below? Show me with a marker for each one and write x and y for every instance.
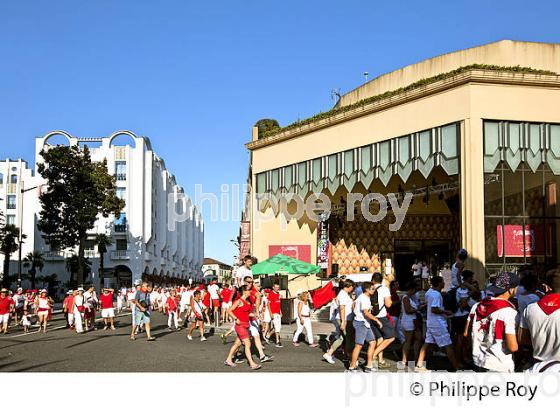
(435, 253)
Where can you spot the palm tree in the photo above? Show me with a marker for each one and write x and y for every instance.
(102, 241)
(9, 243)
(36, 261)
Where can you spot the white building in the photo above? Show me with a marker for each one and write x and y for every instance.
(144, 247)
(212, 268)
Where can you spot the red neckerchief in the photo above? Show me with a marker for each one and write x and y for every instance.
(489, 306)
(550, 303)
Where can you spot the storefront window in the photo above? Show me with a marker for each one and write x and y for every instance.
(521, 217)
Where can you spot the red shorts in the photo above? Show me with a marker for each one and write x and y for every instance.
(242, 331)
(216, 303)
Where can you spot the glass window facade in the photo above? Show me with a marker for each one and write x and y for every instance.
(522, 217)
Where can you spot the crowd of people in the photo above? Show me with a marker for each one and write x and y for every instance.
(511, 323)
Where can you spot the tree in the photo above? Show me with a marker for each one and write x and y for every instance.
(103, 241)
(72, 266)
(9, 243)
(79, 191)
(35, 261)
(50, 282)
(266, 125)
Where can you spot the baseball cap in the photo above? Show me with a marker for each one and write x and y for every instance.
(503, 282)
(69, 292)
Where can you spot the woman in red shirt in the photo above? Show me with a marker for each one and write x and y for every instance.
(172, 307)
(242, 311)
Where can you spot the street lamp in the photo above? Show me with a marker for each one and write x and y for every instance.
(20, 240)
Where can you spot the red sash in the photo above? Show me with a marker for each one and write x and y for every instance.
(550, 303)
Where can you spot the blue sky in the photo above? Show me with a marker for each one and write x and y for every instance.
(195, 76)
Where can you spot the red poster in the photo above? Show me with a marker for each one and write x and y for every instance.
(531, 240)
(300, 252)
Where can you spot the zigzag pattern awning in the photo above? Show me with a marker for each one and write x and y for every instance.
(515, 142)
(420, 151)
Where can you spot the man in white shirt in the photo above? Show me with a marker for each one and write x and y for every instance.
(436, 325)
(458, 267)
(342, 319)
(185, 302)
(362, 326)
(540, 323)
(386, 334)
(244, 270)
(416, 269)
(214, 291)
(492, 326)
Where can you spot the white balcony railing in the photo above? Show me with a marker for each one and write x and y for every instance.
(120, 255)
(90, 253)
(53, 256)
(147, 256)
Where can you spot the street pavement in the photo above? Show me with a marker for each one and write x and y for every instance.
(62, 350)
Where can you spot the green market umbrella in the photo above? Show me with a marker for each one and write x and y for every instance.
(284, 265)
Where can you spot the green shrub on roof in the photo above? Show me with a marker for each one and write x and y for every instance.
(425, 81)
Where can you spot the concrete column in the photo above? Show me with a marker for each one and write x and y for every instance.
(472, 196)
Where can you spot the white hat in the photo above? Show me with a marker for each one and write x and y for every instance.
(137, 282)
(80, 289)
(299, 292)
(69, 292)
(43, 291)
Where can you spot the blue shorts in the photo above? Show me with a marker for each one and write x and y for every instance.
(141, 318)
(363, 333)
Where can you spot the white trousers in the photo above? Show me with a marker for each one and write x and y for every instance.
(78, 321)
(133, 313)
(172, 318)
(277, 322)
(308, 330)
(71, 319)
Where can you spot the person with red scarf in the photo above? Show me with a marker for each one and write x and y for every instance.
(197, 315)
(492, 325)
(68, 307)
(172, 308)
(7, 305)
(44, 306)
(540, 326)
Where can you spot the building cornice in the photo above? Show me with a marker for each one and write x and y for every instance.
(475, 76)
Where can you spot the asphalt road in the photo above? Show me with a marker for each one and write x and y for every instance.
(62, 350)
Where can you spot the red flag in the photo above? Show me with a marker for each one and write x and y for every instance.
(323, 295)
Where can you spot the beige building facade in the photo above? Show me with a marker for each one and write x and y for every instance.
(472, 137)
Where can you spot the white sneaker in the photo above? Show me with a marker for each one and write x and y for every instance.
(189, 337)
(203, 339)
(421, 369)
(328, 358)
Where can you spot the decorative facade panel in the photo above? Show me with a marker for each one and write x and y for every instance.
(520, 142)
(420, 151)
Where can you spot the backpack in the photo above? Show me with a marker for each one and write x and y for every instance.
(450, 300)
(375, 308)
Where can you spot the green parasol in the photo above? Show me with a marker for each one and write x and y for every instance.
(283, 264)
